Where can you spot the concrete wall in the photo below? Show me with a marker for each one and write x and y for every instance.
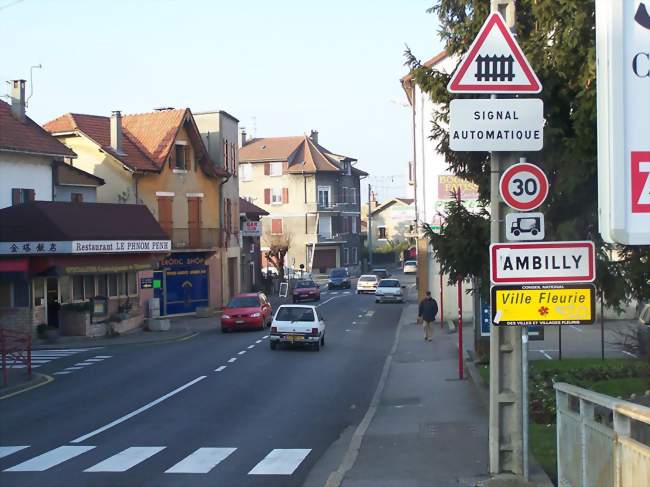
(27, 172)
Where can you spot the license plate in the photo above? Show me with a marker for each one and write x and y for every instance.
(295, 337)
(240, 322)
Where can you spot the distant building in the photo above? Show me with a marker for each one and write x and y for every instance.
(393, 222)
(251, 233)
(312, 196)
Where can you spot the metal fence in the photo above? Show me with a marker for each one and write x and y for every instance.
(15, 349)
(601, 440)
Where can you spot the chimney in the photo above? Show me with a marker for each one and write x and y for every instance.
(116, 131)
(242, 137)
(18, 99)
(314, 136)
(373, 201)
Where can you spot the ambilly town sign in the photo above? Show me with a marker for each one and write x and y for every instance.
(84, 247)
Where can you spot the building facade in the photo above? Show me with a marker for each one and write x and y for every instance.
(158, 159)
(251, 233)
(312, 196)
(393, 222)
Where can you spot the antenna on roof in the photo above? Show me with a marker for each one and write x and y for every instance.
(31, 81)
(162, 109)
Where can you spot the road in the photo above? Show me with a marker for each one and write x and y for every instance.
(213, 410)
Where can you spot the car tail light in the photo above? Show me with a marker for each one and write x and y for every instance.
(314, 331)
(274, 329)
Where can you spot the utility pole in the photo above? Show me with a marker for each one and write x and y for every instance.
(369, 227)
(506, 394)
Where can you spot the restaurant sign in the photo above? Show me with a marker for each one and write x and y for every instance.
(84, 247)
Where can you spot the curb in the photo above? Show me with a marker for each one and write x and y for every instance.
(62, 346)
(38, 381)
(540, 477)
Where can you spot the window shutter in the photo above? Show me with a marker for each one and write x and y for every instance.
(285, 195)
(267, 169)
(31, 195)
(267, 196)
(15, 196)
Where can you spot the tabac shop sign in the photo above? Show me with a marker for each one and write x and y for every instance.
(43, 247)
(251, 229)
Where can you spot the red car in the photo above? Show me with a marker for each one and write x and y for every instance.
(246, 311)
(304, 290)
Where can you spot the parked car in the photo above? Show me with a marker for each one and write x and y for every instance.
(305, 289)
(389, 290)
(367, 283)
(246, 311)
(297, 325)
(339, 278)
(410, 267)
(380, 273)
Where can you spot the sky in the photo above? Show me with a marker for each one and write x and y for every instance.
(282, 67)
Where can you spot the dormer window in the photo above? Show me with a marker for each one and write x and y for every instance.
(182, 154)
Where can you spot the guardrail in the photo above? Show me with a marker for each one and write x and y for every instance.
(601, 441)
(16, 348)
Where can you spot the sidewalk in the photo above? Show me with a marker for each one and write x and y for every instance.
(429, 428)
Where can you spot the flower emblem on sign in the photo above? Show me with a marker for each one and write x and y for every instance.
(543, 311)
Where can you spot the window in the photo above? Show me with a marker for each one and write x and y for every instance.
(5, 294)
(352, 196)
(102, 290)
(112, 285)
(353, 228)
(89, 287)
(276, 195)
(39, 291)
(275, 169)
(246, 173)
(77, 288)
(276, 226)
(22, 195)
(64, 289)
(77, 197)
(355, 255)
(346, 256)
(382, 232)
(121, 284)
(181, 157)
(324, 196)
(132, 283)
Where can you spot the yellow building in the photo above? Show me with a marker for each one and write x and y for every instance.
(159, 159)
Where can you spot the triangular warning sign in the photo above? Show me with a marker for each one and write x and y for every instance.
(494, 63)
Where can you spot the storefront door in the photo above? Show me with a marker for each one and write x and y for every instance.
(52, 299)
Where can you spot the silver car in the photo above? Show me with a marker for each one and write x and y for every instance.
(389, 291)
(367, 283)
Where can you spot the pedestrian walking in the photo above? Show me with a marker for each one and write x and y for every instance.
(427, 312)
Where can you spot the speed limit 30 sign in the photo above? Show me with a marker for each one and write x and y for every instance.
(523, 186)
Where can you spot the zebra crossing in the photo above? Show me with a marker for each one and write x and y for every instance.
(279, 461)
(42, 357)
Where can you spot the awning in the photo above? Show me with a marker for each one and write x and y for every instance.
(13, 269)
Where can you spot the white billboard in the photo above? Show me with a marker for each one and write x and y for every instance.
(623, 74)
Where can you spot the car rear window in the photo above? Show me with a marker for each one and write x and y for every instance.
(389, 283)
(305, 284)
(295, 313)
(410, 262)
(244, 302)
(368, 278)
(339, 273)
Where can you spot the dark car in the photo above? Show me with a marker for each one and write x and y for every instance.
(304, 290)
(381, 273)
(246, 311)
(339, 279)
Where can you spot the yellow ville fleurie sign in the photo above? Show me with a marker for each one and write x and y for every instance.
(543, 304)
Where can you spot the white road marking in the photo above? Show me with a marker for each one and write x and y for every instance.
(265, 336)
(103, 356)
(232, 360)
(95, 359)
(219, 369)
(126, 459)
(83, 364)
(629, 353)
(370, 313)
(354, 322)
(63, 372)
(50, 459)
(202, 460)
(280, 462)
(258, 341)
(73, 368)
(576, 328)
(330, 299)
(360, 316)
(545, 354)
(23, 366)
(242, 352)
(346, 292)
(8, 450)
(251, 346)
(138, 411)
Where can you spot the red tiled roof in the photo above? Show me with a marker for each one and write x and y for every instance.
(27, 136)
(249, 208)
(147, 138)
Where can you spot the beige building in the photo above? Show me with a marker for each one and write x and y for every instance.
(312, 197)
(393, 222)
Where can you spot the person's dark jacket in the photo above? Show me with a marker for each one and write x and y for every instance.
(428, 309)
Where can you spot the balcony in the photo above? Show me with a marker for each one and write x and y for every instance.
(195, 238)
(330, 238)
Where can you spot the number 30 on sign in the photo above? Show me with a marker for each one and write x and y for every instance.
(523, 186)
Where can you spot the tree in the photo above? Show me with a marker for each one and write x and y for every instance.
(558, 39)
(278, 246)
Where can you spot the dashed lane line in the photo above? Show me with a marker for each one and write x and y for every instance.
(251, 346)
(242, 352)
(231, 360)
(219, 369)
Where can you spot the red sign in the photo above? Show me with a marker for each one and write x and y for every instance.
(494, 63)
(640, 182)
(523, 186)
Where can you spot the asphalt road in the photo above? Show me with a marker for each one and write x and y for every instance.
(213, 410)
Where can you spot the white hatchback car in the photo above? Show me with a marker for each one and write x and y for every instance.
(389, 290)
(367, 283)
(297, 325)
(410, 267)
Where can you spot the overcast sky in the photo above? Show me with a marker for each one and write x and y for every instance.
(282, 67)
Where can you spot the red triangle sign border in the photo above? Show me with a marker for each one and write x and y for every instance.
(494, 19)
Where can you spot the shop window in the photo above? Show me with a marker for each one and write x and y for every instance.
(64, 289)
(121, 284)
(77, 288)
(5, 294)
(39, 291)
(102, 290)
(21, 294)
(112, 285)
(89, 287)
(132, 282)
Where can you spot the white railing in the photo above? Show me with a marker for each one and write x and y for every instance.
(601, 441)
